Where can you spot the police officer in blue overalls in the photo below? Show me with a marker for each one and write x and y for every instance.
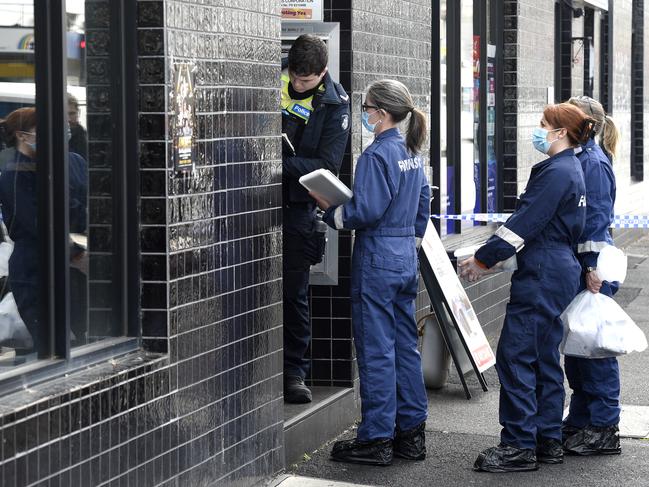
(591, 428)
(389, 209)
(540, 235)
(315, 121)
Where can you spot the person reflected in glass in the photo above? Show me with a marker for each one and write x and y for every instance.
(19, 202)
(78, 142)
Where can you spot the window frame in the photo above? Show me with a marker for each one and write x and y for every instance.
(50, 59)
(483, 21)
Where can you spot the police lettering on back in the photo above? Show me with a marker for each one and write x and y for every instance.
(408, 164)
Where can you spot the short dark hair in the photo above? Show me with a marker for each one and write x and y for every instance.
(308, 55)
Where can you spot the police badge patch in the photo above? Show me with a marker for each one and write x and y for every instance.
(345, 122)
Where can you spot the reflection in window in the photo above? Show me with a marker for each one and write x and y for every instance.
(470, 115)
(22, 331)
(24, 328)
(446, 171)
(89, 115)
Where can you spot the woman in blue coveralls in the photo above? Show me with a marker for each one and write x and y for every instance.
(549, 218)
(19, 201)
(591, 428)
(389, 209)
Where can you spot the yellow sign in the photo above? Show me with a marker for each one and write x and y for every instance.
(302, 10)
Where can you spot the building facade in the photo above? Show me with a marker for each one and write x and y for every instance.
(160, 314)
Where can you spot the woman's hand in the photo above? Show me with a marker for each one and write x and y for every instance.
(322, 203)
(470, 270)
(593, 282)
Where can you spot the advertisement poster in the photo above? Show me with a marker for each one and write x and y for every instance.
(492, 165)
(184, 117)
(477, 166)
(302, 10)
(457, 299)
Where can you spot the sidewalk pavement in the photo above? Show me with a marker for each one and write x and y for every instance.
(457, 429)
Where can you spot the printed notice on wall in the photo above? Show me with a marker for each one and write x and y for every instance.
(184, 117)
(302, 10)
(457, 299)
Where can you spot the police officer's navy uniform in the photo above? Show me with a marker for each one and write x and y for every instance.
(318, 127)
(595, 382)
(389, 208)
(547, 223)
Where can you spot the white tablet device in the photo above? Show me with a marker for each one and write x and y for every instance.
(324, 183)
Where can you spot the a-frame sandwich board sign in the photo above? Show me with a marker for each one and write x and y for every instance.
(458, 322)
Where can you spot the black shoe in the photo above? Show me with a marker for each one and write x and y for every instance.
(505, 458)
(568, 430)
(411, 444)
(594, 440)
(372, 452)
(295, 392)
(549, 451)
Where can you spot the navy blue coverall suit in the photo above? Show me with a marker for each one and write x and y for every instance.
(321, 144)
(390, 206)
(19, 201)
(595, 382)
(547, 223)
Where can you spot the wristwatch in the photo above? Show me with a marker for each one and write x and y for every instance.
(590, 269)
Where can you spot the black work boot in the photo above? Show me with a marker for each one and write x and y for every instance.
(503, 458)
(410, 444)
(549, 450)
(371, 452)
(295, 392)
(594, 440)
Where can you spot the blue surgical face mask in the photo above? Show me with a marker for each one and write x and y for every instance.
(540, 139)
(31, 145)
(366, 122)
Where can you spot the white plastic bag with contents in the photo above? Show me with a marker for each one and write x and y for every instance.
(595, 326)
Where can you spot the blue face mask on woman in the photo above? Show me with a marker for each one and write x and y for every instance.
(540, 139)
(366, 122)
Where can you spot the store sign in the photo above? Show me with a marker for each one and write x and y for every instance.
(184, 117)
(302, 10)
(601, 4)
(458, 302)
(16, 39)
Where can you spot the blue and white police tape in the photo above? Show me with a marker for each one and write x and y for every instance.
(619, 221)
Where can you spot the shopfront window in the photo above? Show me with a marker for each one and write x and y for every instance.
(21, 328)
(468, 139)
(63, 245)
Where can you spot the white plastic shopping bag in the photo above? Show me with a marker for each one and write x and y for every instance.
(595, 326)
(13, 331)
(611, 264)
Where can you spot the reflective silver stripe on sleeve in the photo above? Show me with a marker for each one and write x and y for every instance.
(510, 237)
(591, 246)
(338, 218)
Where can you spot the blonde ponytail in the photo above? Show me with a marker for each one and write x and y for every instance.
(610, 137)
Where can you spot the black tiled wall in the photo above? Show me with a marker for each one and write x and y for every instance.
(389, 40)
(202, 404)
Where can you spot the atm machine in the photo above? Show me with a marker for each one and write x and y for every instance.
(326, 272)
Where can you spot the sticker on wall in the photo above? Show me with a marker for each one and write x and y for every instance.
(302, 10)
(183, 124)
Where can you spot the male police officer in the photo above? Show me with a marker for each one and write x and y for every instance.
(315, 118)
